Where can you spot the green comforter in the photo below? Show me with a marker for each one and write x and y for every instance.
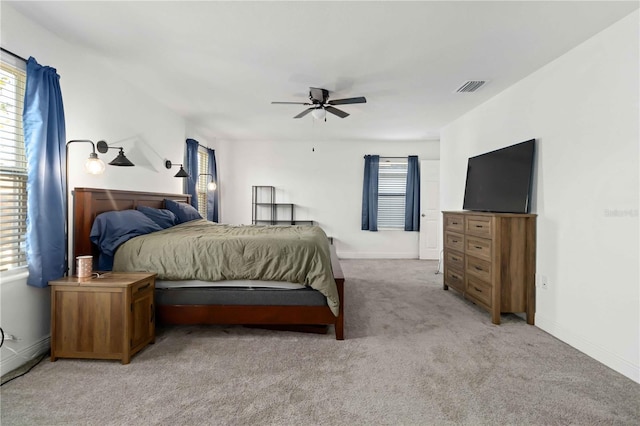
(207, 251)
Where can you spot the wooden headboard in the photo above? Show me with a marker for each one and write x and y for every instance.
(90, 202)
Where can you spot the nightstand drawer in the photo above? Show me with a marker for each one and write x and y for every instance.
(142, 286)
(454, 241)
(479, 225)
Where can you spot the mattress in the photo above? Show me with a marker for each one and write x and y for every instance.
(202, 250)
(276, 285)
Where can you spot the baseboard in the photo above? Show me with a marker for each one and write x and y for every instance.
(597, 352)
(10, 362)
(361, 255)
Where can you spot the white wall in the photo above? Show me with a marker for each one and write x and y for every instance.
(97, 106)
(324, 179)
(583, 110)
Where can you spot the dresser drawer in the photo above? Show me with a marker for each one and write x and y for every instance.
(454, 241)
(478, 267)
(454, 222)
(478, 247)
(454, 278)
(454, 259)
(479, 225)
(479, 290)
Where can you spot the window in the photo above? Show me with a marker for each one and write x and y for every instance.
(13, 167)
(203, 180)
(392, 189)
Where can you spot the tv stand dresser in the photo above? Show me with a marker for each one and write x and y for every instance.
(490, 258)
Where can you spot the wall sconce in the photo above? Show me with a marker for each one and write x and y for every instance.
(94, 166)
(120, 160)
(211, 186)
(181, 173)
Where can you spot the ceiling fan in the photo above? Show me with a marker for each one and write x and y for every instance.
(320, 104)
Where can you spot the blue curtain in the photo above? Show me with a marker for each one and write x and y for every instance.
(412, 206)
(212, 196)
(191, 167)
(370, 193)
(44, 137)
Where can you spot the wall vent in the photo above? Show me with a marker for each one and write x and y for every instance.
(470, 86)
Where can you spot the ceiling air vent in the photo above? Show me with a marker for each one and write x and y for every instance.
(470, 86)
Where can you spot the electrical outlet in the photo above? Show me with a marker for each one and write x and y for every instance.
(544, 283)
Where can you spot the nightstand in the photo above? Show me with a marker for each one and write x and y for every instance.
(106, 317)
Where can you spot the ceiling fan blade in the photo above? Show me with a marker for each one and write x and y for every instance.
(305, 112)
(293, 103)
(336, 111)
(319, 95)
(358, 100)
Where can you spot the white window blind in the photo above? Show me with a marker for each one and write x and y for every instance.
(13, 167)
(392, 189)
(201, 185)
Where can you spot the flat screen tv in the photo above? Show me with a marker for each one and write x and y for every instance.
(500, 181)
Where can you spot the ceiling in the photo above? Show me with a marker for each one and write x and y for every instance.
(220, 64)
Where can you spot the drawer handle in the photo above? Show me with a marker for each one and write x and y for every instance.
(477, 289)
(454, 223)
(478, 247)
(455, 276)
(478, 268)
(454, 241)
(479, 226)
(454, 258)
(144, 286)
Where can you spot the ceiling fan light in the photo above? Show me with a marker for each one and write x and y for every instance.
(319, 113)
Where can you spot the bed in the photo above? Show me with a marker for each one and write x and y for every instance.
(305, 309)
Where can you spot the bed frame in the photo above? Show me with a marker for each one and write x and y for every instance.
(90, 202)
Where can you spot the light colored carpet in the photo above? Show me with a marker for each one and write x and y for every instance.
(414, 354)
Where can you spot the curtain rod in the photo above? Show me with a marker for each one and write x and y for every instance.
(13, 54)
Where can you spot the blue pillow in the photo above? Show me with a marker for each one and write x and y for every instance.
(163, 217)
(111, 229)
(183, 211)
